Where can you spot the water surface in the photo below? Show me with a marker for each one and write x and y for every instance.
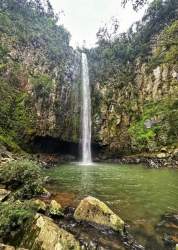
(138, 194)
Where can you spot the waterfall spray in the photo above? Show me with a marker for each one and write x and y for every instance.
(86, 113)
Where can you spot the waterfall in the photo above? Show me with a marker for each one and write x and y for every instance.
(86, 113)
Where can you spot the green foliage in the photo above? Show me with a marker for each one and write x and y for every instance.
(112, 58)
(135, 3)
(167, 49)
(30, 23)
(28, 27)
(24, 177)
(12, 217)
(163, 116)
(16, 117)
(42, 84)
(9, 143)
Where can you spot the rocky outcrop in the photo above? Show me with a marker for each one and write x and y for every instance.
(40, 74)
(95, 211)
(43, 234)
(134, 100)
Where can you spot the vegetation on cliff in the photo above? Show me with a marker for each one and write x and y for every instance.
(34, 66)
(134, 77)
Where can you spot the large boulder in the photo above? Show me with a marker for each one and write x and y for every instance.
(43, 234)
(93, 210)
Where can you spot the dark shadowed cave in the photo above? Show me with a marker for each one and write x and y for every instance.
(53, 145)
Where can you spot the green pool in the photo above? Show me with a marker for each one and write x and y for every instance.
(138, 194)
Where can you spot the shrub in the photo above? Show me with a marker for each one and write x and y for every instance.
(12, 216)
(22, 176)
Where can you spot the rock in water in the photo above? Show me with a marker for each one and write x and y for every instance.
(93, 210)
(43, 234)
(55, 208)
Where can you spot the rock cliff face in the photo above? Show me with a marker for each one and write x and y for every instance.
(53, 91)
(39, 75)
(139, 113)
(58, 112)
(118, 108)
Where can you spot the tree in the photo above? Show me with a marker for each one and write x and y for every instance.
(108, 32)
(135, 3)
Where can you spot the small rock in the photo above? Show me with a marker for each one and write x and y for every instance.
(6, 247)
(175, 153)
(40, 205)
(6, 154)
(55, 208)
(161, 155)
(3, 194)
(164, 150)
(46, 193)
(95, 211)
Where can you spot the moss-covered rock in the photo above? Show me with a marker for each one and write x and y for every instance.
(39, 205)
(55, 208)
(93, 210)
(43, 234)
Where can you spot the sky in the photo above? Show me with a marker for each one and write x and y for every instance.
(82, 18)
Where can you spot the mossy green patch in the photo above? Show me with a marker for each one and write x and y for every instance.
(157, 125)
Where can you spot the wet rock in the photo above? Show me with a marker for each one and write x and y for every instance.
(55, 208)
(43, 234)
(168, 227)
(3, 194)
(93, 210)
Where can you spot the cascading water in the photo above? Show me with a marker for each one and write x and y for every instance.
(86, 113)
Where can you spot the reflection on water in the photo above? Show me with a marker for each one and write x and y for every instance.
(140, 196)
